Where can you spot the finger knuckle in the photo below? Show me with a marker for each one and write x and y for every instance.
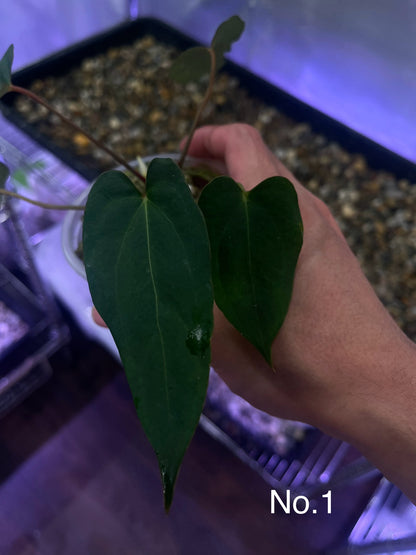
(248, 131)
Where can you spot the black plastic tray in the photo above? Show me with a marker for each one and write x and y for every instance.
(377, 156)
(20, 300)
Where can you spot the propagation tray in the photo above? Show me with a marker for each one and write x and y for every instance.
(387, 525)
(61, 62)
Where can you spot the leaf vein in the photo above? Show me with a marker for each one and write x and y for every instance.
(180, 239)
(152, 277)
(250, 267)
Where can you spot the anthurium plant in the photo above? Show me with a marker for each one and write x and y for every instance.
(156, 261)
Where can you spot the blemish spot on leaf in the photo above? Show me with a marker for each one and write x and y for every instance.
(198, 340)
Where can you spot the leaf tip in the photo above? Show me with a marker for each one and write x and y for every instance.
(6, 70)
(168, 488)
(267, 354)
(9, 54)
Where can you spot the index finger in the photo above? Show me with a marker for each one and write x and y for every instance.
(242, 150)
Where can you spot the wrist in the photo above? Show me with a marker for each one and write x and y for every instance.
(378, 416)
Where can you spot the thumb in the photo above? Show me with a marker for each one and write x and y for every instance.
(97, 318)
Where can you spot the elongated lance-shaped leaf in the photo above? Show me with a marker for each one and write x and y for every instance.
(255, 241)
(228, 32)
(148, 268)
(6, 71)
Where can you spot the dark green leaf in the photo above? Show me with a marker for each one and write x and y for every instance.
(148, 268)
(228, 32)
(6, 71)
(4, 175)
(191, 65)
(255, 242)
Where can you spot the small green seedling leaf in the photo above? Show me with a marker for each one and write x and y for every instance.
(255, 242)
(191, 65)
(228, 32)
(19, 176)
(148, 268)
(6, 71)
(195, 62)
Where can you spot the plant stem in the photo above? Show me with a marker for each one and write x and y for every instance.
(119, 159)
(201, 108)
(42, 204)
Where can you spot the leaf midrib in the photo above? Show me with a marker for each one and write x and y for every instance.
(143, 205)
(162, 342)
(250, 266)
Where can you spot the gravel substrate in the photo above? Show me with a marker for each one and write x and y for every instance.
(126, 99)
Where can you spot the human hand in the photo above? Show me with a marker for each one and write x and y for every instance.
(335, 322)
(340, 362)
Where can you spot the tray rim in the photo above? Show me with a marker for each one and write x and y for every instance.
(377, 156)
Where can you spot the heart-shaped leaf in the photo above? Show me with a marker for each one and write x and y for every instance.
(148, 268)
(6, 70)
(255, 239)
(228, 32)
(191, 65)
